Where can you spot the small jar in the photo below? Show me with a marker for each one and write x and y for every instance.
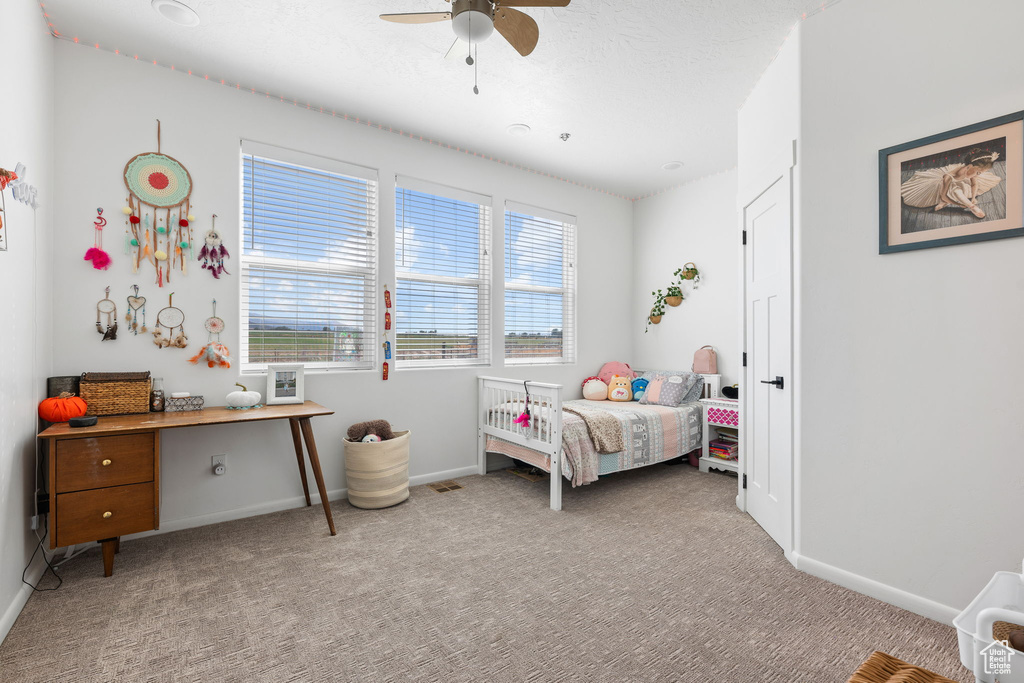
(156, 396)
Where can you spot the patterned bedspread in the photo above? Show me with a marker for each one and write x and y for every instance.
(650, 434)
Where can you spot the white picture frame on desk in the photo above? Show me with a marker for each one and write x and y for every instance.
(285, 384)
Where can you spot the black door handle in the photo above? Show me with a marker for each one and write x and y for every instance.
(778, 382)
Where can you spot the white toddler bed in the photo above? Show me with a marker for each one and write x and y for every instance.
(560, 436)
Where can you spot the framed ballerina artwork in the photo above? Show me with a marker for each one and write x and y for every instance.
(965, 185)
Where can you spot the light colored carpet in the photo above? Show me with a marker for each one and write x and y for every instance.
(652, 575)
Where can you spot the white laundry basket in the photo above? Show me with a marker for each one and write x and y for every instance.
(1001, 600)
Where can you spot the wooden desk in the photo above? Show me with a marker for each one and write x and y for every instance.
(105, 479)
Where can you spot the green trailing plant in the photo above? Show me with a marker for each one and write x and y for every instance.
(657, 310)
(674, 289)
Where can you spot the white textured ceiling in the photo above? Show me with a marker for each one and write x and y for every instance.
(637, 84)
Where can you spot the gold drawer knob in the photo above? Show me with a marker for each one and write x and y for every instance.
(106, 463)
(108, 515)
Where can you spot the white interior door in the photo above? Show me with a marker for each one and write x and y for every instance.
(768, 408)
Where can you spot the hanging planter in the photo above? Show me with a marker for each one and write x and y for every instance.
(657, 310)
(674, 296)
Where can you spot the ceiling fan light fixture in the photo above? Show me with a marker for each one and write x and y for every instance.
(518, 130)
(176, 12)
(472, 20)
(672, 166)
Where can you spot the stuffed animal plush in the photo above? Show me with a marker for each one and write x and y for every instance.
(619, 389)
(639, 388)
(595, 390)
(381, 428)
(612, 368)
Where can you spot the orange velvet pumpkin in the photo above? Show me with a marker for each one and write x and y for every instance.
(62, 408)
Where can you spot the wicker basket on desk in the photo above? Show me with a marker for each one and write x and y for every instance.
(115, 393)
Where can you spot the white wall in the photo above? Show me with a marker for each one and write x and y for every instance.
(26, 130)
(106, 111)
(696, 222)
(910, 427)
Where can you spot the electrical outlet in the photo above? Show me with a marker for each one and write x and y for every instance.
(35, 522)
(219, 463)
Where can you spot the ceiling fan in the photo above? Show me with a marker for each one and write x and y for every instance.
(474, 20)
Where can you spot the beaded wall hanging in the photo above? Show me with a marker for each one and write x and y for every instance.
(214, 252)
(214, 353)
(106, 307)
(159, 229)
(136, 315)
(173, 319)
(100, 259)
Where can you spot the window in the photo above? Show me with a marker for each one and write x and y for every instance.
(442, 264)
(540, 286)
(308, 260)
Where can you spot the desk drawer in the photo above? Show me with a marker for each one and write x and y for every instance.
(80, 462)
(80, 515)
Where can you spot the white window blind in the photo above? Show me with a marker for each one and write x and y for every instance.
(308, 260)
(442, 264)
(540, 286)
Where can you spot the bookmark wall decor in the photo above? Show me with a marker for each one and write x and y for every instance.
(387, 330)
(159, 222)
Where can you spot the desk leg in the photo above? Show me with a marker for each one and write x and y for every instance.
(109, 545)
(297, 440)
(314, 460)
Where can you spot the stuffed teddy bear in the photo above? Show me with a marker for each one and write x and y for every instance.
(639, 388)
(381, 428)
(594, 389)
(620, 389)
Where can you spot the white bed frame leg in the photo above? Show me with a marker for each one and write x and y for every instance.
(556, 479)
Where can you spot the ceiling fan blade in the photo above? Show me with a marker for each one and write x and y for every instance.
(417, 17)
(458, 51)
(519, 29)
(533, 3)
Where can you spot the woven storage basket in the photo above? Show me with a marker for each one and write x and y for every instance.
(185, 404)
(115, 393)
(883, 668)
(377, 473)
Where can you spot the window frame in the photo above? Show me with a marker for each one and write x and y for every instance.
(482, 283)
(567, 291)
(368, 273)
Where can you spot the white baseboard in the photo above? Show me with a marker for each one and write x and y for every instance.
(10, 614)
(894, 596)
(284, 504)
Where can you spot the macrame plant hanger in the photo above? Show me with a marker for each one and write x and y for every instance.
(214, 352)
(159, 228)
(173, 319)
(106, 307)
(136, 310)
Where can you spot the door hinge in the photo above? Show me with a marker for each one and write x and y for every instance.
(744, 237)
(744, 359)
(744, 481)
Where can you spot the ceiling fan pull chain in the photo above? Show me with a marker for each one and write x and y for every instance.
(476, 72)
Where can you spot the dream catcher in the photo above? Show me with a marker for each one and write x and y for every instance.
(136, 312)
(159, 229)
(214, 252)
(524, 417)
(106, 307)
(100, 259)
(172, 319)
(214, 353)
